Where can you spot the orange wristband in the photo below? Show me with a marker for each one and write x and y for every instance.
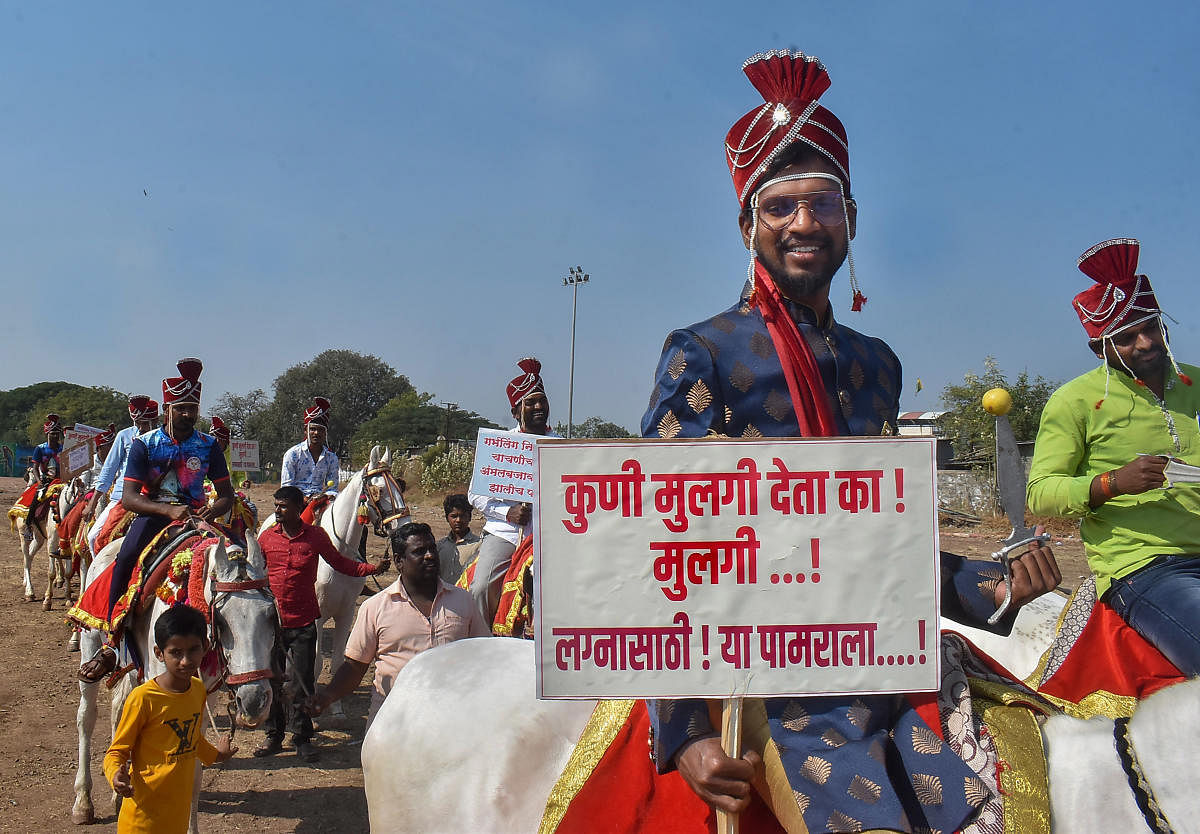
(1106, 487)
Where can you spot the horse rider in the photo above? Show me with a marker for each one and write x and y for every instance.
(143, 411)
(507, 522)
(778, 364)
(164, 483)
(1102, 448)
(46, 468)
(310, 465)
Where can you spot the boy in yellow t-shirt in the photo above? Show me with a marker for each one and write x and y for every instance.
(160, 735)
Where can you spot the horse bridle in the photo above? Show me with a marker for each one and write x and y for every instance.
(373, 494)
(225, 680)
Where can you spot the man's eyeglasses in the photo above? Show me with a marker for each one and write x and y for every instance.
(826, 207)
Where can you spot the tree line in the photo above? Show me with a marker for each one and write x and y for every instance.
(372, 403)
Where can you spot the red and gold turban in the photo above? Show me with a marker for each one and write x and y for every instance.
(790, 84)
(1119, 298)
(318, 412)
(219, 429)
(52, 424)
(185, 388)
(528, 382)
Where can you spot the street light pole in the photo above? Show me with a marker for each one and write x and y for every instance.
(575, 277)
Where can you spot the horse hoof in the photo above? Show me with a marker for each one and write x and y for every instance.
(30, 598)
(46, 604)
(83, 816)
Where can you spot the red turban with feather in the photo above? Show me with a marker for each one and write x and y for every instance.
(1119, 298)
(318, 412)
(790, 84)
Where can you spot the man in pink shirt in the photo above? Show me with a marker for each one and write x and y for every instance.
(416, 612)
(291, 549)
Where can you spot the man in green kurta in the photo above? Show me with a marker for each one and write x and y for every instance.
(1104, 442)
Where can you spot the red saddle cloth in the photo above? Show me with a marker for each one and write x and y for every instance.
(1110, 656)
(91, 611)
(315, 507)
(72, 533)
(626, 795)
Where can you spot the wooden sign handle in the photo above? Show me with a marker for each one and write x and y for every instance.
(731, 744)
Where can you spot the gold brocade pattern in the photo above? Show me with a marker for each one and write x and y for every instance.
(677, 365)
(741, 377)
(1024, 780)
(607, 719)
(699, 397)
(668, 426)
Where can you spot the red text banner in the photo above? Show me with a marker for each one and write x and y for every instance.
(723, 567)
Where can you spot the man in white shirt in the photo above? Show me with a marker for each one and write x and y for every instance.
(310, 465)
(508, 521)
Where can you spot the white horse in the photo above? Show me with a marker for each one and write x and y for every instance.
(1032, 633)
(337, 593)
(422, 773)
(34, 535)
(244, 625)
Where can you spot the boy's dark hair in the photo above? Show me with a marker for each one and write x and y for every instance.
(291, 495)
(411, 528)
(458, 501)
(179, 621)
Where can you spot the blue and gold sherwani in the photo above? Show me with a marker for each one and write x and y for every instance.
(868, 761)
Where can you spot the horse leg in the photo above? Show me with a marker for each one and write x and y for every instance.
(119, 694)
(51, 577)
(30, 544)
(83, 812)
(194, 819)
(342, 622)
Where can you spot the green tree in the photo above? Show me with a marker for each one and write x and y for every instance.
(357, 385)
(17, 406)
(239, 410)
(415, 419)
(595, 428)
(73, 404)
(972, 430)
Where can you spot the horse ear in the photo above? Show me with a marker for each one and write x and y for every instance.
(254, 556)
(386, 460)
(374, 457)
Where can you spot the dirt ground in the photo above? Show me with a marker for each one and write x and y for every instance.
(39, 697)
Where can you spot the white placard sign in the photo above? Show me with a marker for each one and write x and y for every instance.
(243, 455)
(505, 465)
(77, 459)
(720, 567)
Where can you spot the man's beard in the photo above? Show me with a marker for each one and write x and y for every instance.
(800, 287)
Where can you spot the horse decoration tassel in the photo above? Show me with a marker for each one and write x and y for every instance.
(364, 514)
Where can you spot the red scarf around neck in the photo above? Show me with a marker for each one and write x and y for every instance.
(805, 384)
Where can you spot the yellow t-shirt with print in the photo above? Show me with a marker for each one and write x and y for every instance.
(163, 732)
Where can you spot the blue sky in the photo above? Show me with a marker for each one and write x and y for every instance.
(414, 180)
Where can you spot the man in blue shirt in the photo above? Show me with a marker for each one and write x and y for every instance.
(310, 465)
(144, 413)
(164, 482)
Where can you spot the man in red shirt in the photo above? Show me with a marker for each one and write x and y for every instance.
(291, 549)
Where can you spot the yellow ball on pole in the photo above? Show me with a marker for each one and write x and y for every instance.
(997, 402)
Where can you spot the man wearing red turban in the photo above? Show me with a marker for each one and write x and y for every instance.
(1104, 442)
(143, 411)
(508, 521)
(164, 482)
(778, 364)
(310, 465)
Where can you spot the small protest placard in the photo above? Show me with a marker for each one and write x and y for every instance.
(719, 567)
(243, 455)
(76, 456)
(505, 465)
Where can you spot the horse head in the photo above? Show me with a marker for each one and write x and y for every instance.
(244, 625)
(384, 499)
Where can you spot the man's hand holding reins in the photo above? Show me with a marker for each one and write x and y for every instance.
(1034, 572)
